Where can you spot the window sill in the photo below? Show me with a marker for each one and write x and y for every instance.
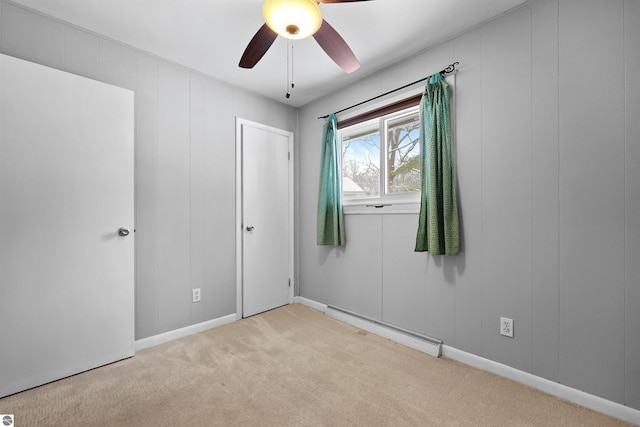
(379, 207)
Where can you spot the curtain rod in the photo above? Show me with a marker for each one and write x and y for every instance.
(447, 70)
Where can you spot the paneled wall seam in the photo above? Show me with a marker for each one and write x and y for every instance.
(157, 181)
(135, 198)
(558, 186)
(482, 256)
(559, 194)
(382, 256)
(531, 196)
(190, 283)
(461, 220)
(624, 258)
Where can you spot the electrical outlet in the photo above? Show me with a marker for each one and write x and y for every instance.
(506, 327)
(195, 293)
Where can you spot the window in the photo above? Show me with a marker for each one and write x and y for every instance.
(381, 158)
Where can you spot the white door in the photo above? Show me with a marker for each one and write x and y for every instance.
(266, 226)
(66, 188)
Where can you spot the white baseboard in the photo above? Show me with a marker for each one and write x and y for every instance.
(310, 303)
(556, 389)
(182, 332)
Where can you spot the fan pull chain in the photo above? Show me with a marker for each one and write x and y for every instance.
(288, 95)
(290, 83)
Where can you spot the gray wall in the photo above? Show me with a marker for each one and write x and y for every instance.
(184, 164)
(548, 155)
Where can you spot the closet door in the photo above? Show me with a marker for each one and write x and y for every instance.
(266, 206)
(66, 224)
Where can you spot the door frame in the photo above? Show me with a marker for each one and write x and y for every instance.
(240, 122)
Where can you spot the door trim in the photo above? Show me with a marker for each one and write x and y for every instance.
(240, 122)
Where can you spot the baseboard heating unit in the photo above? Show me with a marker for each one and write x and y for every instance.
(411, 339)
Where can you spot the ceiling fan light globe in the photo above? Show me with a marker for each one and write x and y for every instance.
(293, 19)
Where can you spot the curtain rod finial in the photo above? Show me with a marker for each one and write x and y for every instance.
(450, 68)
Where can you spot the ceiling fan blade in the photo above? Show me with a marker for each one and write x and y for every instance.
(257, 47)
(339, 1)
(335, 46)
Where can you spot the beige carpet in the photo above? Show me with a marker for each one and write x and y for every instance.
(291, 366)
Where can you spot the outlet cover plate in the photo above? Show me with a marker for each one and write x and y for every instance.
(195, 295)
(506, 327)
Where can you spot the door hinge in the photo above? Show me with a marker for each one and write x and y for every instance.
(288, 155)
(289, 282)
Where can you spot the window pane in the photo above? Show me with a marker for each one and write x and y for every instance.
(403, 154)
(361, 162)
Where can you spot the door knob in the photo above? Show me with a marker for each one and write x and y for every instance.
(250, 227)
(123, 231)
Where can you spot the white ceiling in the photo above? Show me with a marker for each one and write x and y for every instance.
(210, 35)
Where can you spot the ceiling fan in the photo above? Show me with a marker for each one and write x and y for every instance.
(297, 19)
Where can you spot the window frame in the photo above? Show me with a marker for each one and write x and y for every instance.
(402, 203)
(382, 125)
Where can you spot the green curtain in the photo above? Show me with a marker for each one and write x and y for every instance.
(330, 223)
(438, 228)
